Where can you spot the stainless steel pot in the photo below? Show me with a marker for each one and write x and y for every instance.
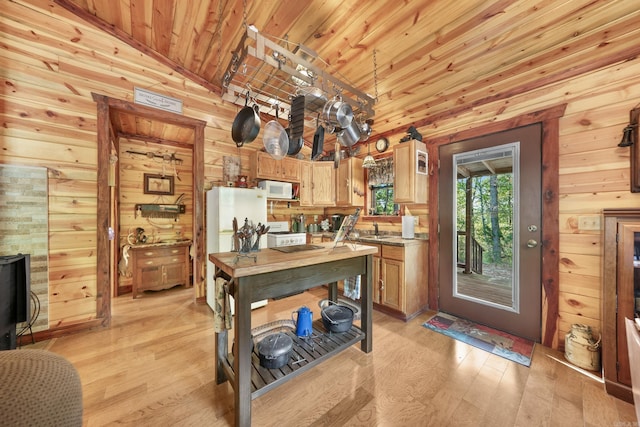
(337, 113)
(349, 135)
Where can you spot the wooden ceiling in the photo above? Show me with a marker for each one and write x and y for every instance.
(434, 59)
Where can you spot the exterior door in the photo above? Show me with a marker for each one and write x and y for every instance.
(490, 219)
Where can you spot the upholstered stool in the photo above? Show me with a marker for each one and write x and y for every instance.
(39, 388)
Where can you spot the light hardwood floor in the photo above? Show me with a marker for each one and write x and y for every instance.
(155, 367)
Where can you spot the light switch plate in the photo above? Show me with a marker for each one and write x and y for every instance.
(590, 222)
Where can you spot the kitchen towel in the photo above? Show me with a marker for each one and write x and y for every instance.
(222, 311)
(352, 287)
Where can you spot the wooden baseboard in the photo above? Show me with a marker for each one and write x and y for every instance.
(618, 390)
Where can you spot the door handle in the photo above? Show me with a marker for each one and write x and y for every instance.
(531, 243)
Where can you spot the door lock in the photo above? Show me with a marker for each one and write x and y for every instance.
(532, 228)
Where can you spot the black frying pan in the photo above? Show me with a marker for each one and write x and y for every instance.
(318, 143)
(246, 125)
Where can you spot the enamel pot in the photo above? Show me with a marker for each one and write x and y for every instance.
(337, 318)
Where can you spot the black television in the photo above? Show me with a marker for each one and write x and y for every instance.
(15, 301)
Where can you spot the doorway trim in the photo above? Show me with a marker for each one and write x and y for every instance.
(105, 132)
(549, 118)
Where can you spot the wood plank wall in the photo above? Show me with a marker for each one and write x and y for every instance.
(51, 62)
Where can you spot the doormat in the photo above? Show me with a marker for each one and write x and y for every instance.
(500, 343)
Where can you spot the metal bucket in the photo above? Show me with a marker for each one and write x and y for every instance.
(581, 348)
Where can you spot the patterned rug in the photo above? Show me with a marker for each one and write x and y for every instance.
(500, 343)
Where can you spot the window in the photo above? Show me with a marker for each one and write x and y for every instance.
(380, 181)
(382, 200)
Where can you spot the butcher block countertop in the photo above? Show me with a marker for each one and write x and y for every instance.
(270, 260)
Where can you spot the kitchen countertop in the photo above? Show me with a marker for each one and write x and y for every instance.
(383, 239)
(271, 260)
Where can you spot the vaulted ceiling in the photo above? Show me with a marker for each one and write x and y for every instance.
(422, 60)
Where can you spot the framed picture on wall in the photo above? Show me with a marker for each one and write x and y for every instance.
(421, 162)
(158, 184)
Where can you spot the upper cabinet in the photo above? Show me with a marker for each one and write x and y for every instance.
(350, 186)
(317, 184)
(266, 167)
(410, 182)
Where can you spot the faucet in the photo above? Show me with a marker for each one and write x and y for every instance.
(375, 228)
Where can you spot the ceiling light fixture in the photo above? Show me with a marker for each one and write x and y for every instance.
(369, 161)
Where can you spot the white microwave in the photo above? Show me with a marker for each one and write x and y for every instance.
(277, 189)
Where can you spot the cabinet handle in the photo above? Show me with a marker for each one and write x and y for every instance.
(382, 285)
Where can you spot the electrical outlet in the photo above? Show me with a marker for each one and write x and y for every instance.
(591, 222)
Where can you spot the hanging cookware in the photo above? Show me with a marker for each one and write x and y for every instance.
(304, 318)
(337, 114)
(337, 318)
(365, 130)
(314, 98)
(295, 145)
(297, 116)
(318, 141)
(275, 138)
(349, 135)
(275, 350)
(246, 125)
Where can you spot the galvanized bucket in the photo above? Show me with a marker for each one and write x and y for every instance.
(581, 348)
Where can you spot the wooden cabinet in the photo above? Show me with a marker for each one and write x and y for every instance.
(400, 279)
(621, 285)
(410, 183)
(158, 266)
(350, 186)
(317, 184)
(266, 167)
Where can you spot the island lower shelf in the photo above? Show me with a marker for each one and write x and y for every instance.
(307, 353)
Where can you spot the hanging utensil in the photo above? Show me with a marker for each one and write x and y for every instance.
(246, 125)
(275, 138)
(318, 140)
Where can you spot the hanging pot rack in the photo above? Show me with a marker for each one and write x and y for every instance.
(274, 75)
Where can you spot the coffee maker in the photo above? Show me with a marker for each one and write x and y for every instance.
(336, 221)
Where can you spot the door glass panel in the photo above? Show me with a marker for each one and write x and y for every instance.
(485, 245)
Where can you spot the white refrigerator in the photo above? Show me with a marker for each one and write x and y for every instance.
(224, 204)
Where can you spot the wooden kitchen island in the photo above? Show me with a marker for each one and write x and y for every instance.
(275, 274)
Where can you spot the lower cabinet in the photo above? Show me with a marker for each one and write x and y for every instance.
(400, 279)
(157, 267)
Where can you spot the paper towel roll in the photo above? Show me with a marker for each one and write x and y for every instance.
(408, 224)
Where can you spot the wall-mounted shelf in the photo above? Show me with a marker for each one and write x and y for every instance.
(159, 210)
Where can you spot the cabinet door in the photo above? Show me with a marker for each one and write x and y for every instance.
(403, 172)
(306, 184)
(267, 167)
(376, 280)
(323, 188)
(150, 277)
(393, 284)
(174, 273)
(350, 183)
(290, 169)
(409, 186)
